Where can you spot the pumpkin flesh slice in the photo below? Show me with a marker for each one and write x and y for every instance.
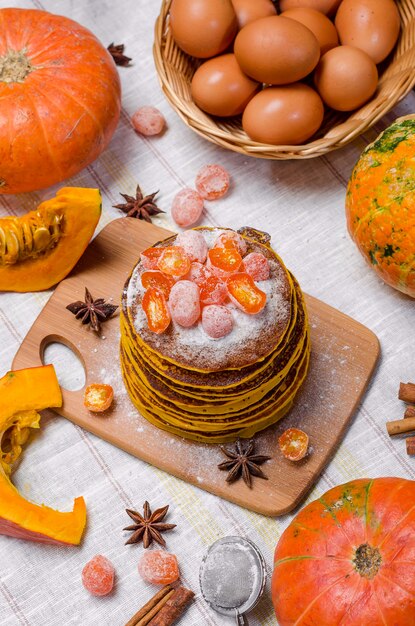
(40, 248)
(22, 393)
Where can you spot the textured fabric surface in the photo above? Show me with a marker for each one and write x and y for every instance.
(301, 204)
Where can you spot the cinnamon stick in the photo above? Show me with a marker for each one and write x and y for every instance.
(401, 427)
(146, 620)
(407, 392)
(173, 608)
(410, 441)
(151, 607)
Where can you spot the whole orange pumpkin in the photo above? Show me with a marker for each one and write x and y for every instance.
(380, 205)
(348, 558)
(60, 99)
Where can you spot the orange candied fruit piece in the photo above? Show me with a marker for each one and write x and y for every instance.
(98, 397)
(159, 567)
(174, 261)
(155, 278)
(157, 312)
(150, 257)
(231, 239)
(245, 294)
(213, 291)
(225, 259)
(98, 576)
(293, 444)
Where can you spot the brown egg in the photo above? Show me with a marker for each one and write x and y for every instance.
(219, 86)
(319, 24)
(203, 28)
(346, 78)
(276, 50)
(371, 25)
(250, 10)
(328, 7)
(286, 115)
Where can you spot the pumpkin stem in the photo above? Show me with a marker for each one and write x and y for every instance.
(14, 67)
(367, 561)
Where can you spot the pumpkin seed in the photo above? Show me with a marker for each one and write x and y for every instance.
(56, 225)
(18, 231)
(21, 239)
(28, 237)
(12, 247)
(41, 238)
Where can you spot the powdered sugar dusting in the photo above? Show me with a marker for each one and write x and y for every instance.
(256, 333)
(105, 368)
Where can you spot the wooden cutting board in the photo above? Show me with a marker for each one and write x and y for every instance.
(344, 354)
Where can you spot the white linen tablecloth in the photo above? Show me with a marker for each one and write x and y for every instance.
(301, 204)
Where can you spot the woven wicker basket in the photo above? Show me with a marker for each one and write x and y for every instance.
(175, 70)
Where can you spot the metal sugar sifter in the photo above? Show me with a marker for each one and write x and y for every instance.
(232, 577)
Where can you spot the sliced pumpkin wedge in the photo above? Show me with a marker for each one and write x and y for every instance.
(40, 248)
(22, 394)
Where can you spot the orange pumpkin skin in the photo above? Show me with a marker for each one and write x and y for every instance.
(380, 202)
(60, 99)
(348, 558)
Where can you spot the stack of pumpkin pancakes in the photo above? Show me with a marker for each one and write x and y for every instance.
(216, 390)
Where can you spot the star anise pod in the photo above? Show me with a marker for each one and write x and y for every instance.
(140, 206)
(148, 527)
(92, 312)
(243, 462)
(117, 53)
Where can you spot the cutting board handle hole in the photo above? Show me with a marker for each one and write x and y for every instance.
(67, 360)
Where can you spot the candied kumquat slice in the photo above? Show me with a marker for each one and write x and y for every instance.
(212, 182)
(157, 312)
(150, 257)
(293, 444)
(158, 567)
(213, 290)
(225, 259)
(174, 261)
(98, 397)
(98, 576)
(245, 294)
(231, 239)
(155, 278)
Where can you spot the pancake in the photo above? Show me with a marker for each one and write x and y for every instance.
(216, 390)
(214, 384)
